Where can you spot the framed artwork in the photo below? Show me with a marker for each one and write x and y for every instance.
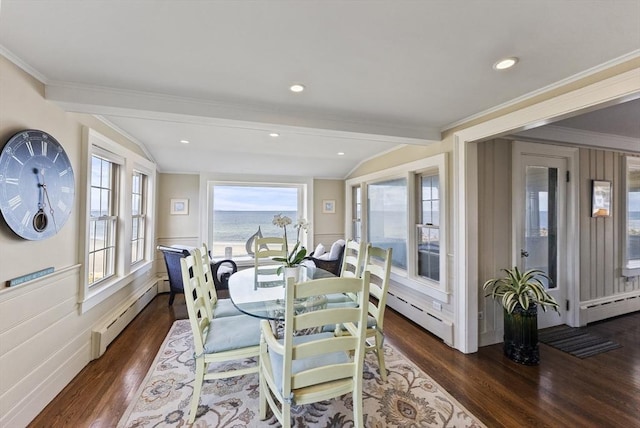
(180, 206)
(328, 206)
(601, 198)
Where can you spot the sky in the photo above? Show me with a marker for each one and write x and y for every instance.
(257, 198)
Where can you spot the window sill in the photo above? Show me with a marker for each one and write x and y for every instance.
(102, 291)
(631, 269)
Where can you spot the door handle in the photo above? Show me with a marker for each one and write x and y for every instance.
(524, 253)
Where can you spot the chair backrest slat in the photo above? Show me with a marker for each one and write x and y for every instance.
(341, 344)
(322, 375)
(268, 247)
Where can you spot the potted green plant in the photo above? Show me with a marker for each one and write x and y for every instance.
(520, 293)
(293, 259)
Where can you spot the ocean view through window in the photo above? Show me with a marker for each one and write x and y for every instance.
(241, 212)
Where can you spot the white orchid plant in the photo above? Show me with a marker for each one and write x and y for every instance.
(298, 253)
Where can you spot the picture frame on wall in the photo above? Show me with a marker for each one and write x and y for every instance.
(180, 206)
(328, 206)
(600, 198)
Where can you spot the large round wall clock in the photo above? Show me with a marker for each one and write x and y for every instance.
(36, 185)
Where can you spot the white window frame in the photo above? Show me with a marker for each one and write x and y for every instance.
(437, 164)
(144, 195)
(97, 144)
(110, 220)
(420, 223)
(304, 211)
(356, 205)
(630, 267)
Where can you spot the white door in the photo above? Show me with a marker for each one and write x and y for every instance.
(540, 226)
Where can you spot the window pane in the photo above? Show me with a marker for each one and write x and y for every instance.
(134, 228)
(429, 252)
(138, 196)
(135, 184)
(429, 196)
(101, 232)
(428, 232)
(633, 214)
(387, 218)
(104, 202)
(105, 180)
(240, 212)
(357, 213)
(135, 204)
(541, 221)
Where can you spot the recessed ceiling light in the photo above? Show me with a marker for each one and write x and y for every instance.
(505, 63)
(184, 141)
(340, 153)
(274, 134)
(297, 87)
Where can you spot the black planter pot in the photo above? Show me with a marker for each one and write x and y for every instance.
(521, 335)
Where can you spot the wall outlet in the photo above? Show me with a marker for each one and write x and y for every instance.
(480, 315)
(437, 306)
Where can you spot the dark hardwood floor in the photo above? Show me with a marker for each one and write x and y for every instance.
(563, 391)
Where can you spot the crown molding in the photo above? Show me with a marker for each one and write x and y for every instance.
(23, 65)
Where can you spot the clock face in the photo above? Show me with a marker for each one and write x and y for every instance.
(36, 185)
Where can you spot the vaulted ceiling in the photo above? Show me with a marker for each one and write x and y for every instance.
(377, 74)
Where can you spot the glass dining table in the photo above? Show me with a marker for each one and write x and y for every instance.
(261, 293)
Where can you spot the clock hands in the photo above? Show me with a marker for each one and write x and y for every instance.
(40, 220)
(44, 187)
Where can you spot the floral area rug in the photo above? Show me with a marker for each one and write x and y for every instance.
(409, 398)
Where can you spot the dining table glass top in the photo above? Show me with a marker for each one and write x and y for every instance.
(261, 293)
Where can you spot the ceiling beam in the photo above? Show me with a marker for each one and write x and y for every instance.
(144, 105)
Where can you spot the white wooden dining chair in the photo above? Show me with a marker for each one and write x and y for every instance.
(218, 339)
(377, 262)
(302, 369)
(267, 248)
(215, 307)
(352, 259)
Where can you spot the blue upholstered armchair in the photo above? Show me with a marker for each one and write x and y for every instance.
(221, 270)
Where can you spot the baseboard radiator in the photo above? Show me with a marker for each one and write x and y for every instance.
(107, 331)
(606, 308)
(424, 318)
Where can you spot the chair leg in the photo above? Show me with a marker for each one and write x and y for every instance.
(172, 295)
(358, 417)
(286, 415)
(380, 355)
(262, 388)
(197, 389)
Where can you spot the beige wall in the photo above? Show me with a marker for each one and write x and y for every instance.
(494, 228)
(327, 228)
(401, 156)
(44, 340)
(601, 239)
(176, 227)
